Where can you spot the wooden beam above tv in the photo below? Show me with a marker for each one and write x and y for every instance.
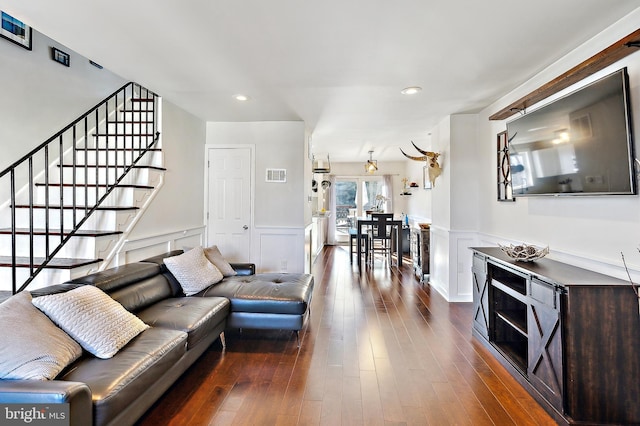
(623, 47)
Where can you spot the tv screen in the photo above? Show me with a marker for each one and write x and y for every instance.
(580, 144)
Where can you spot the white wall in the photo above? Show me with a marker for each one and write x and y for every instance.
(278, 236)
(279, 145)
(454, 206)
(419, 205)
(41, 96)
(586, 231)
(178, 206)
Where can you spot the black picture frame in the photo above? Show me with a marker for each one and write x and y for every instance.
(15, 31)
(60, 57)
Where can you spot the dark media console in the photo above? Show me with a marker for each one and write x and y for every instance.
(569, 336)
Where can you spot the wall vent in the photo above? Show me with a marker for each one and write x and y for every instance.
(276, 175)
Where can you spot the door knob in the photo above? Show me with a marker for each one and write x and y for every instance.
(245, 227)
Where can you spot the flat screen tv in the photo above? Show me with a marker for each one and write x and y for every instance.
(580, 144)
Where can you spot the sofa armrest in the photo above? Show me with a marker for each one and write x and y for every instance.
(76, 394)
(244, 268)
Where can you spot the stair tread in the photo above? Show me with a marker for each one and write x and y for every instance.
(57, 263)
(132, 134)
(114, 166)
(93, 185)
(82, 149)
(81, 233)
(56, 207)
(142, 99)
(130, 121)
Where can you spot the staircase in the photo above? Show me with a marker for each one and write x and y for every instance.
(80, 192)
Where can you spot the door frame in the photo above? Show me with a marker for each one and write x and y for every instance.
(358, 179)
(252, 180)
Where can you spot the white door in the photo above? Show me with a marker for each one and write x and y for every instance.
(229, 202)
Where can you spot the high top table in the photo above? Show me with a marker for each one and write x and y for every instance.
(397, 228)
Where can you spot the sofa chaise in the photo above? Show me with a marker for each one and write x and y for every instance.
(118, 390)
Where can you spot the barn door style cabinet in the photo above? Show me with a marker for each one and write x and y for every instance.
(570, 336)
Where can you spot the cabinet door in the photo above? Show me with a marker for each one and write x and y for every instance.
(480, 297)
(545, 342)
(424, 250)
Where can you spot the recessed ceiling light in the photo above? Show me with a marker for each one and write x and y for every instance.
(411, 90)
(240, 97)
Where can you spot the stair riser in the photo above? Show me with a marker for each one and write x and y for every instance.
(76, 247)
(152, 158)
(99, 220)
(118, 197)
(46, 277)
(135, 142)
(136, 116)
(124, 127)
(134, 177)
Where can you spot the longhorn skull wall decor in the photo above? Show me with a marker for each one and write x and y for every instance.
(432, 162)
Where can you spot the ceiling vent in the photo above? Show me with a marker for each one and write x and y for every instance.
(276, 175)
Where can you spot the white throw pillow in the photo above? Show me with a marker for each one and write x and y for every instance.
(213, 254)
(101, 325)
(32, 347)
(193, 271)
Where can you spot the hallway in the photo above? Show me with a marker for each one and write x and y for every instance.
(380, 349)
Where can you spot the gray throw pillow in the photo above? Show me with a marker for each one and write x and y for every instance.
(32, 348)
(213, 254)
(193, 271)
(100, 324)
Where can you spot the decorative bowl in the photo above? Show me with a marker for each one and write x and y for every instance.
(524, 252)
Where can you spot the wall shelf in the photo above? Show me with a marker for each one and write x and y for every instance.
(620, 49)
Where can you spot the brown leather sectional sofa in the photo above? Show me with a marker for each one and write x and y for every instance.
(118, 390)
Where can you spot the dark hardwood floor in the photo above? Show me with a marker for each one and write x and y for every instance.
(380, 349)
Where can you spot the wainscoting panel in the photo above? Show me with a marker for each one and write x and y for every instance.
(142, 248)
(280, 250)
(439, 258)
(451, 263)
(308, 258)
(462, 289)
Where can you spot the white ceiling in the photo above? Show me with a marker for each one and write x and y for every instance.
(339, 65)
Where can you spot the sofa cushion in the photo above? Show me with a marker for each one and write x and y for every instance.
(193, 271)
(32, 346)
(159, 260)
(143, 294)
(196, 316)
(120, 276)
(118, 381)
(96, 321)
(214, 256)
(266, 293)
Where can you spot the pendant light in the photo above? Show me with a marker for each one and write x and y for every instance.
(371, 166)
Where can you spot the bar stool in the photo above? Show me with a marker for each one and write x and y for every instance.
(353, 235)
